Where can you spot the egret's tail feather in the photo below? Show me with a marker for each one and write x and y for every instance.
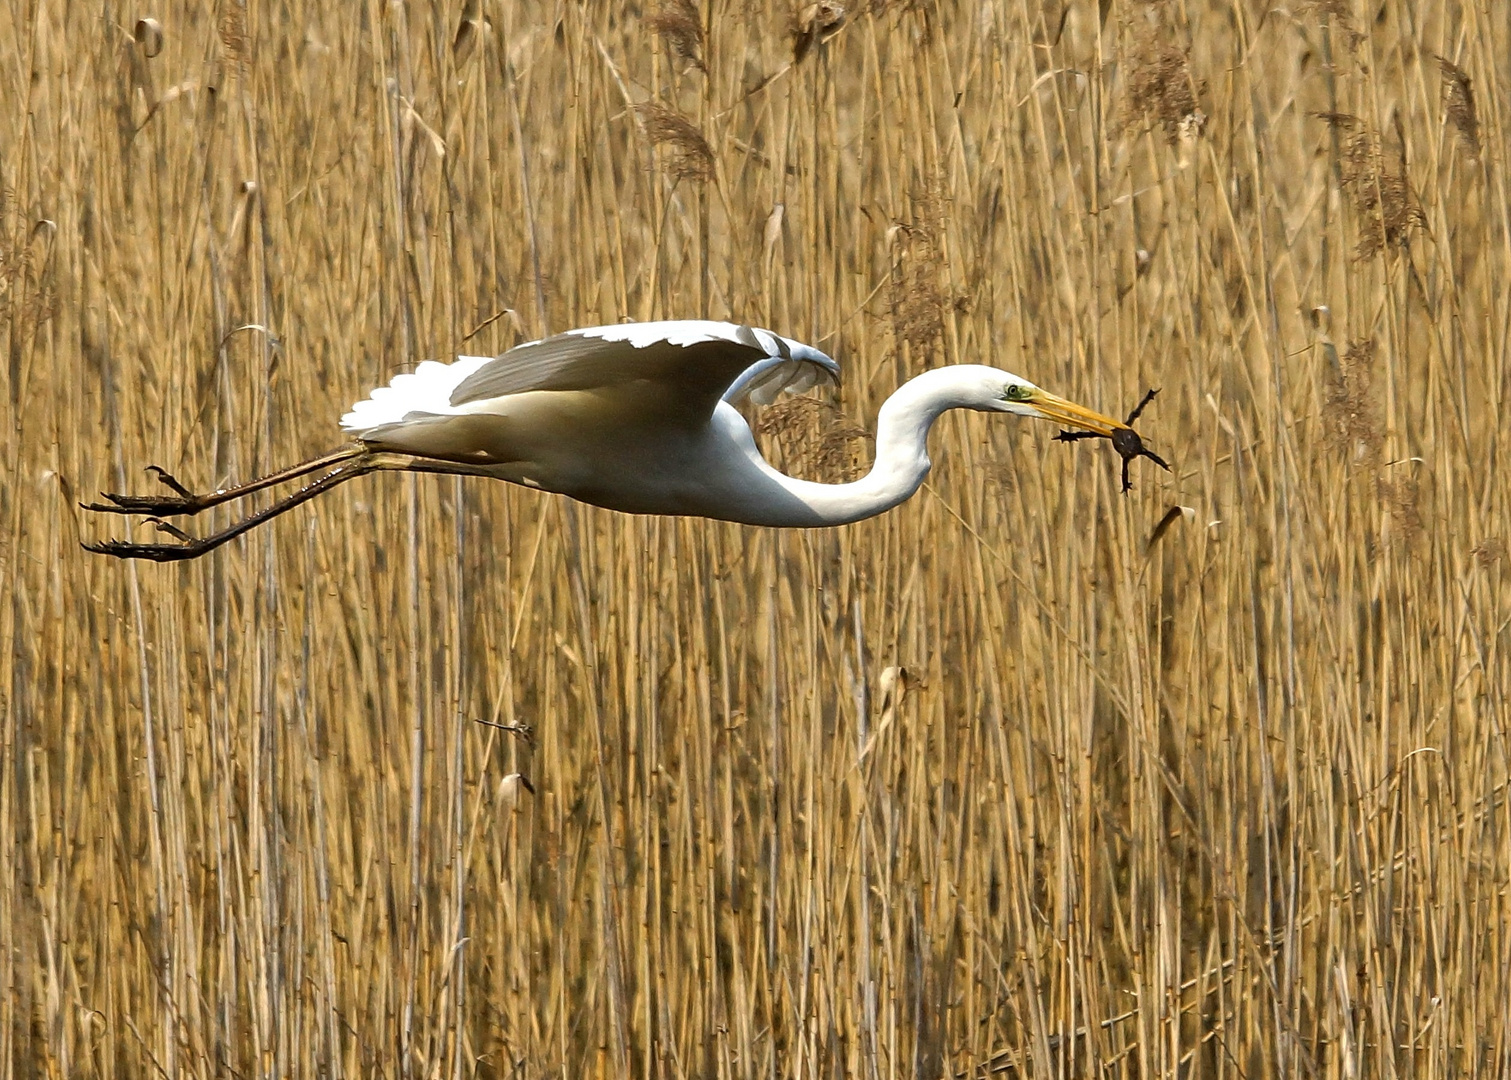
(425, 390)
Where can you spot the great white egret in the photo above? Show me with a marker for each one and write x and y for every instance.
(636, 417)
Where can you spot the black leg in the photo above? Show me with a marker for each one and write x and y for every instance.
(187, 547)
(184, 501)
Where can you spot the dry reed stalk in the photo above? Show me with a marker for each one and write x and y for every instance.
(1071, 847)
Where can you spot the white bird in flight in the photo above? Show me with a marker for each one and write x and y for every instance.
(635, 417)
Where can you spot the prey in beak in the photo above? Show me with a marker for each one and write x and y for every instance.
(1124, 439)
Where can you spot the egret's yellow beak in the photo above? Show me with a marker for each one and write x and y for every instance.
(1053, 407)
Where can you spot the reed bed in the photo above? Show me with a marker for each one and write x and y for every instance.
(1008, 782)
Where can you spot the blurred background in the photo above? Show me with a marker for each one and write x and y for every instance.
(1025, 778)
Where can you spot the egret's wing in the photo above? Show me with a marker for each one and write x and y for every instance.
(685, 366)
(763, 380)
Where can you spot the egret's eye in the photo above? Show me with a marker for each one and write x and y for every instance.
(1015, 392)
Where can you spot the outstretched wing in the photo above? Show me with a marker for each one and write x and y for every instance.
(681, 367)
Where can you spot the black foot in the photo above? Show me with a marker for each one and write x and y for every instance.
(182, 501)
(121, 549)
(186, 547)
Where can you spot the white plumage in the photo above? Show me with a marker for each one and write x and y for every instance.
(425, 389)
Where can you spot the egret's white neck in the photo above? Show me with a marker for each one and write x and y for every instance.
(902, 459)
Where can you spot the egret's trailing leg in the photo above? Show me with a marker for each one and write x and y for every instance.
(186, 502)
(360, 463)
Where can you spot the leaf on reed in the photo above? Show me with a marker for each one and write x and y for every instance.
(814, 24)
(468, 29)
(148, 33)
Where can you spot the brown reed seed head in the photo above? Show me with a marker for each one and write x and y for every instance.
(1161, 88)
(1352, 406)
(1388, 209)
(688, 155)
(677, 23)
(1489, 551)
(1458, 103)
(1401, 496)
(233, 36)
(1339, 13)
(918, 298)
(27, 297)
(814, 438)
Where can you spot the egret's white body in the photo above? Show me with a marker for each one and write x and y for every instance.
(635, 417)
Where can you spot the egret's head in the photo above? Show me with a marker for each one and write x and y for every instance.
(1023, 398)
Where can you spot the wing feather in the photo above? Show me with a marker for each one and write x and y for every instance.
(688, 364)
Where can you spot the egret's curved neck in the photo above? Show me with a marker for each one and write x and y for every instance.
(902, 459)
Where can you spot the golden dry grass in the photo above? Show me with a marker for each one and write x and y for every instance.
(1231, 806)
